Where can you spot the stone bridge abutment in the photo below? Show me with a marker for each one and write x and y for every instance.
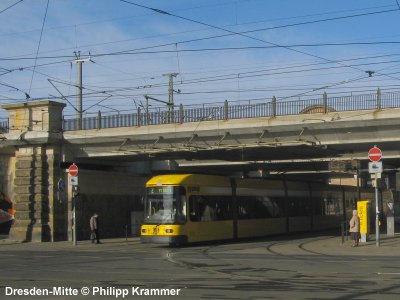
(33, 174)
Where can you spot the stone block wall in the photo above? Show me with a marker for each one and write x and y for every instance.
(31, 195)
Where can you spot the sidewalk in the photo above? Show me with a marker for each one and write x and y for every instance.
(389, 246)
(318, 245)
(62, 245)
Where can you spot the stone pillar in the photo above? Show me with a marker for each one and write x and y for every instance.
(36, 137)
(31, 195)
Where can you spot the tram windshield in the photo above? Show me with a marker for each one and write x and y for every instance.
(165, 205)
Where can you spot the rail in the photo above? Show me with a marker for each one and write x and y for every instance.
(226, 111)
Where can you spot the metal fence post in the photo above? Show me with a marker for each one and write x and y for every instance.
(325, 99)
(138, 117)
(378, 99)
(274, 106)
(99, 120)
(181, 114)
(226, 110)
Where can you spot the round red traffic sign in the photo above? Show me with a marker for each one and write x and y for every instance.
(375, 154)
(73, 170)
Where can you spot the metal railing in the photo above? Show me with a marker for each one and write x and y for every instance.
(3, 126)
(233, 110)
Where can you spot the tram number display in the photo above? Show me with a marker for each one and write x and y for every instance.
(160, 190)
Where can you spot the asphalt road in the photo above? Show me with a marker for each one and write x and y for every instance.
(316, 267)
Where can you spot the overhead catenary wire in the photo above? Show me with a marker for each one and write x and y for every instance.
(38, 47)
(233, 33)
(308, 45)
(12, 5)
(157, 87)
(241, 34)
(206, 49)
(248, 74)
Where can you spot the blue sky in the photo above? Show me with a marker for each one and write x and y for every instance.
(132, 47)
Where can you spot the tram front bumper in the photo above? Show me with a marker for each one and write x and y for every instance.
(171, 240)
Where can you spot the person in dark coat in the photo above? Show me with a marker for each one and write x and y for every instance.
(94, 228)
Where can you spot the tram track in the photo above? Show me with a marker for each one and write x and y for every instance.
(231, 268)
(230, 274)
(301, 246)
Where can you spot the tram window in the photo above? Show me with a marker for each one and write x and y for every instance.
(194, 211)
(332, 204)
(318, 207)
(223, 208)
(208, 211)
(272, 206)
(251, 207)
(209, 208)
(165, 205)
(299, 207)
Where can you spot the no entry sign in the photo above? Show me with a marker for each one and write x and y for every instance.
(73, 170)
(375, 154)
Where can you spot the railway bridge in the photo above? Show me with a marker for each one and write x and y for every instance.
(326, 138)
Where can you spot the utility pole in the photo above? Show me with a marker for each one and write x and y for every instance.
(79, 87)
(171, 96)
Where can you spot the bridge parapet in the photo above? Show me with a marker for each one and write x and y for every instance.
(238, 110)
(35, 116)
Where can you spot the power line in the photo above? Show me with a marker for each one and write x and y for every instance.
(202, 50)
(256, 73)
(1, 11)
(246, 35)
(225, 35)
(38, 47)
(230, 32)
(15, 88)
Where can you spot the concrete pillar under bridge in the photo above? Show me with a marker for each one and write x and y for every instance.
(31, 156)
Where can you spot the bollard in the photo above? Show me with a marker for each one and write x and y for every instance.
(342, 230)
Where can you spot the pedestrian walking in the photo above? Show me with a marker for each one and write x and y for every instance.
(94, 228)
(355, 228)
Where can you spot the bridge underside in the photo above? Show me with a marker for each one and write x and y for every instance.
(332, 143)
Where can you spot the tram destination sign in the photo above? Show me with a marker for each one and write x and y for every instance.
(160, 190)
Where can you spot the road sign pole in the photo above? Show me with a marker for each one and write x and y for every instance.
(377, 234)
(74, 239)
(375, 167)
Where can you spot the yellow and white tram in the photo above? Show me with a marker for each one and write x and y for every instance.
(189, 208)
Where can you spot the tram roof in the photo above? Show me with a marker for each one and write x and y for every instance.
(214, 180)
(188, 179)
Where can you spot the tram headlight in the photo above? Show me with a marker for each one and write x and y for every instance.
(169, 230)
